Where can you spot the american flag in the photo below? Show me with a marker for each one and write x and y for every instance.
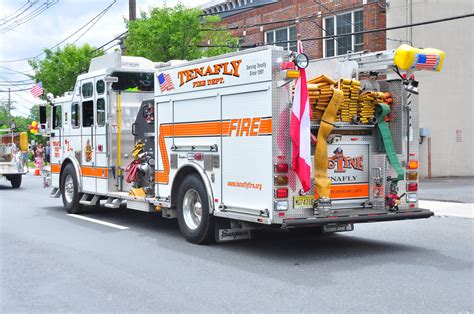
(427, 61)
(37, 90)
(165, 82)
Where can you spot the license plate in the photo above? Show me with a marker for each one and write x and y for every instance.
(338, 227)
(303, 202)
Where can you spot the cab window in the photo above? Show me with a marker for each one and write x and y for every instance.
(87, 113)
(87, 90)
(100, 112)
(75, 115)
(100, 87)
(133, 82)
(57, 115)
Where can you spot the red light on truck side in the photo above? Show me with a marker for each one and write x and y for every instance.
(281, 193)
(281, 167)
(412, 187)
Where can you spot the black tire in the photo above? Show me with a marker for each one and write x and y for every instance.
(204, 231)
(15, 180)
(71, 202)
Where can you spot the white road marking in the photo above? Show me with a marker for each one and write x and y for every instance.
(465, 210)
(108, 224)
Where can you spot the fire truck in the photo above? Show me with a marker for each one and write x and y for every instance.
(12, 147)
(208, 142)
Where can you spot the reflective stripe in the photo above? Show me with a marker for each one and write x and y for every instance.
(55, 168)
(97, 172)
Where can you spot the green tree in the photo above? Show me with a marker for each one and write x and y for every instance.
(166, 33)
(59, 69)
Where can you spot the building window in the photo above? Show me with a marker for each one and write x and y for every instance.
(343, 24)
(283, 37)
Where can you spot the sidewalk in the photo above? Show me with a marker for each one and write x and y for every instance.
(447, 189)
(449, 196)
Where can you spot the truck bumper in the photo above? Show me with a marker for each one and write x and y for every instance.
(310, 222)
(11, 173)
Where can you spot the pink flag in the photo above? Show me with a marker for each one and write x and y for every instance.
(300, 130)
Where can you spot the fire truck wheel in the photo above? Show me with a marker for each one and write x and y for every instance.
(69, 188)
(15, 180)
(195, 221)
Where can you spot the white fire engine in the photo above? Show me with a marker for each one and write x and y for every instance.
(207, 142)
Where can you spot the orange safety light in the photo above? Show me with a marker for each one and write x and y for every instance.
(412, 175)
(292, 74)
(412, 164)
(280, 180)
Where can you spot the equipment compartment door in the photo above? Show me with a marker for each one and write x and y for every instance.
(88, 170)
(247, 151)
(100, 136)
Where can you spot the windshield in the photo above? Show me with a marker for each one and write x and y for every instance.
(133, 82)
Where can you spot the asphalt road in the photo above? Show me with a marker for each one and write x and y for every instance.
(52, 262)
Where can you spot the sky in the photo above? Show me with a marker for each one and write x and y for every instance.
(51, 27)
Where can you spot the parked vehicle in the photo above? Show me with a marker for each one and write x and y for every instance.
(11, 158)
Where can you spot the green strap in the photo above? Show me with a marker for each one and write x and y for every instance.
(381, 110)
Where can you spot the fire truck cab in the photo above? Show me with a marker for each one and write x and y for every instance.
(207, 142)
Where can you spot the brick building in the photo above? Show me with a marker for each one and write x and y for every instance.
(258, 22)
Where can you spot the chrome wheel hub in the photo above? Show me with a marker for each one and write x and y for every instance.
(69, 189)
(192, 209)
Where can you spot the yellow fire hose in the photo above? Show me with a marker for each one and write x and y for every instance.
(323, 183)
(119, 131)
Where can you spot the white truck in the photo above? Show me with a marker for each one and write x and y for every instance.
(207, 142)
(11, 158)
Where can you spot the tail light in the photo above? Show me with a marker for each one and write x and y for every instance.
(280, 180)
(412, 164)
(281, 167)
(411, 198)
(281, 205)
(281, 193)
(412, 187)
(412, 175)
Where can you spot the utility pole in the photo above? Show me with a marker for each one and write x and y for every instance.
(9, 107)
(132, 10)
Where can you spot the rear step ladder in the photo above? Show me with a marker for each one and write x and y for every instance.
(113, 202)
(89, 202)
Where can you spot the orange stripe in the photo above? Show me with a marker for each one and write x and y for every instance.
(265, 126)
(211, 128)
(55, 168)
(340, 191)
(98, 172)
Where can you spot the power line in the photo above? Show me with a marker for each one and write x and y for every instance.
(98, 16)
(22, 20)
(19, 72)
(115, 38)
(15, 90)
(11, 16)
